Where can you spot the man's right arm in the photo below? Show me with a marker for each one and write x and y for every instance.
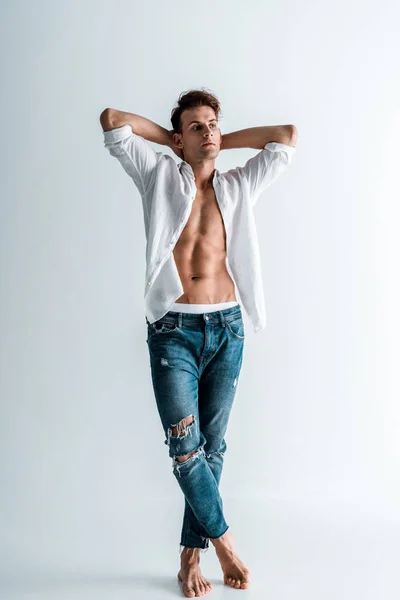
(111, 119)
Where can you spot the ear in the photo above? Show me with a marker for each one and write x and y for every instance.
(177, 138)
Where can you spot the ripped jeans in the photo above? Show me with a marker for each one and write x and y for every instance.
(195, 364)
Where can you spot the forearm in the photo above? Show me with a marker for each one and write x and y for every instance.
(257, 137)
(147, 129)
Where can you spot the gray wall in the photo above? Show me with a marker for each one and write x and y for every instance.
(316, 419)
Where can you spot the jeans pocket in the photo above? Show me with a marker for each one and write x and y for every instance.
(236, 327)
(160, 328)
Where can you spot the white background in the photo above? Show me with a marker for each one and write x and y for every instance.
(311, 483)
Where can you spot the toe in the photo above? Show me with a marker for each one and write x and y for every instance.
(237, 583)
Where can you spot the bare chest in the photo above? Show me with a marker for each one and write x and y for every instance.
(205, 220)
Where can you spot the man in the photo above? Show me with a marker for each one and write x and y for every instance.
(201, 245)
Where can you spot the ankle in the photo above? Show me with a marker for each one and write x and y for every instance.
(223, 539)
(189, 555)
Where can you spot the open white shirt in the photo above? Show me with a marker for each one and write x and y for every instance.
(168, 190)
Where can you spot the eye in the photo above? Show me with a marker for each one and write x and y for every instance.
(213, 124)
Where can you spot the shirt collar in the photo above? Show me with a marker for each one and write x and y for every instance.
(184, 166)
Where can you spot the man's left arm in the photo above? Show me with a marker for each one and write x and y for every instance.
(277, 144)
(258, 137)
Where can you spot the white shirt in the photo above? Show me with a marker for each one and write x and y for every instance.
(168, 190)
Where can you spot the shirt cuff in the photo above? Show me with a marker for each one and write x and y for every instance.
(277, 147)
(118, 134)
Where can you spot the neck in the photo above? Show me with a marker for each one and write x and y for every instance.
(203, 173)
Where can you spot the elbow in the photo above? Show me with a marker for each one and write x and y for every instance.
(287, 135)
(293, 135)
(106, 118)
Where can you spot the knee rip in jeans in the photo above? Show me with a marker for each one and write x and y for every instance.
(181, 430)
(216, 452)
(178, 461)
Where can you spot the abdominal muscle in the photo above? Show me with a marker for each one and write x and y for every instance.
(203, 273)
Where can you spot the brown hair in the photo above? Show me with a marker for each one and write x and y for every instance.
(193, 99)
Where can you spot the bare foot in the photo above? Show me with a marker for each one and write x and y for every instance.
(236, 574)
(193, 581)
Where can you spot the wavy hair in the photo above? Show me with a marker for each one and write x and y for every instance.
(193, 99)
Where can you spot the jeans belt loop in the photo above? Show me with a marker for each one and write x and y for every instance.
(180, 320)
(222, 318)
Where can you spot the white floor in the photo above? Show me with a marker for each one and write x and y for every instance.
(331, 553)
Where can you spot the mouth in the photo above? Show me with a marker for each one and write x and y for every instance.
(208, 144)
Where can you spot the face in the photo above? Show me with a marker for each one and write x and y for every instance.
(199, 125)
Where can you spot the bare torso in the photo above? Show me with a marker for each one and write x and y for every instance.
(200, 254)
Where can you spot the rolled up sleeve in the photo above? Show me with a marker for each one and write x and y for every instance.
(265, 167)
(135, 154)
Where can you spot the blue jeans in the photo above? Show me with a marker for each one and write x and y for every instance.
(195, 364)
